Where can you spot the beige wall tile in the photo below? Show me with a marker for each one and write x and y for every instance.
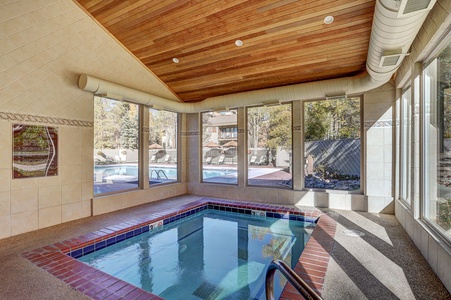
(71, 193)
(49, 216)
(5, 179)
(24, 200)
(5, 226)
(24, 222)
(337, 201)
(70, 175)
(5, 203)
(71, 211)
(376, 204)
(24, 184)
(50, 196)
(6, 148)
(86, 208)
(303, 198)
(49, 181)
(87, 191)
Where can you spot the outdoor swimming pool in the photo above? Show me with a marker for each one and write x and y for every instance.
(115, 177)
(129, 172)
(208, 255)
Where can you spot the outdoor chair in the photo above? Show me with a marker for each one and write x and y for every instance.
(262, 160)
(253, 160)
(153, 158)
(221, 159)
(208, 160)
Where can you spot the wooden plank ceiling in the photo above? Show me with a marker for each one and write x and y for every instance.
(284, 42)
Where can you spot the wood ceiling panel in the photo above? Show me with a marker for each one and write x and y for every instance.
(285, 42)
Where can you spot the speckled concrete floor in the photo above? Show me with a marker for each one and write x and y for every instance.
(383, 264)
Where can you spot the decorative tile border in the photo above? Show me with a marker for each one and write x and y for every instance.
(42, 119)
(378, 124)
(59, 259)
(189, 133)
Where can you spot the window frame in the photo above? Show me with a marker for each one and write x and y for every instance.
(359, 191)
(139, 163)
(246, 156)
(178, 140)
(424, 186)
(219, 133)
(405, 167)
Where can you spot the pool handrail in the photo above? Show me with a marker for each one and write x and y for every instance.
(298, 283)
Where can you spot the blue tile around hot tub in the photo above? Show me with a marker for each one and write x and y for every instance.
(111, 241)
(88, 249)
(120, 237)
(129, 234)
(77, 253)
(100, 245)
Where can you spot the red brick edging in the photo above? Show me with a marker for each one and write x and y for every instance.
(312, 265)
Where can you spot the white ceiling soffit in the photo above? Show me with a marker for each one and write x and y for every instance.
(389, 33)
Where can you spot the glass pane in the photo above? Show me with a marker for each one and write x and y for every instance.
(405, 146)
(332, 144)
(269, 146)
(116, 143)
(437, 141)
(219, 147)
(162, 146)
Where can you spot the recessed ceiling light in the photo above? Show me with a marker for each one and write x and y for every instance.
(176, 60)
(328, 19)
(239, 43)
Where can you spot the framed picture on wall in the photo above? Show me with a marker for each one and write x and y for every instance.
(35, 151)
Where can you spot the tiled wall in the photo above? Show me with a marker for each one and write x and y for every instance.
(44, 46)
(379, 126)
(32, 203)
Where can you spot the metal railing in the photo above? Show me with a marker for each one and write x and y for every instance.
(297, 282)
(158, 174)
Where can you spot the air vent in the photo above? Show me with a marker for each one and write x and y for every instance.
(391, 58)
(407, 7)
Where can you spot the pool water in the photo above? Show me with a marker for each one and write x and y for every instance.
(210, 255)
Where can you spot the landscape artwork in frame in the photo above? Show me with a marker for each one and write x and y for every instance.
(35, 151)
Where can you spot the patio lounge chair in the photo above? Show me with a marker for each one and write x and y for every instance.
(208, 160)
(153, 158)
(253, 160)
(221, 159)
(262, 160)
(167, 158)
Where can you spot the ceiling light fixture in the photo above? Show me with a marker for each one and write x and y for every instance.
(239, 43)
(176, 60)
(328, 19)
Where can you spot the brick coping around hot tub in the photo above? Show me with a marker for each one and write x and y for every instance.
(60, 260)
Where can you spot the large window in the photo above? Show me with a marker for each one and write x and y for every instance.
(332, 144)
(219, 147)
(437, 142)
(116, 143)
(162, 146)
(269, 146)
(405, 149)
